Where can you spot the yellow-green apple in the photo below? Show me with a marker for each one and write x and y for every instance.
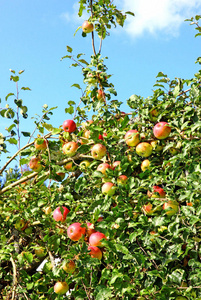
(181, 298)
(98, 151)
(144, 149)
(162, 130)
(35, 164)
(20, 224)
(70, 148)
(69, 166)
(69, 267)
(85, 164)
(95, 239)
(171, 207)
(40, 251)
(132, 137)
(122, 179)
(116, 164)
(40, 144)
(60, 287)
(90, 229)
(145, 165)
(147, 209)
(47, 210)
(100, 95)
(85, 137)
(156, 146)
(75, 231)
(153, 115)
(157, 192)
(108, 188)
(87, 27)
(60, 216)
(95, 252)
(69, 126)
(103, 167)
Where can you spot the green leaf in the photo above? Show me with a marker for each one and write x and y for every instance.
(25, 88)
(10, 94)
(69, 110)
(76, 85)
(69, 49)
(25, 133)
(104, 293)
(130, 13)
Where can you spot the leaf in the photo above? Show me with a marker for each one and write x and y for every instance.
(83, 61)
(12, 141)
(130, 13)
(122, 248)
(25, 133)
(69, 49)
(69, 110)
(10, 94)
(25, 88)
(76, 85)
(104, 293)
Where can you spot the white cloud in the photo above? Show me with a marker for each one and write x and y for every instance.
(73, 16)
(158, 16)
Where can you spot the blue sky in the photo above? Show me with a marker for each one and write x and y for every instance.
(34, 35)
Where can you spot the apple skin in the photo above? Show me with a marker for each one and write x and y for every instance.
(145, 165)
(20, 225)
(75, 231)
(40, 144)
(158, 192)
(70, 148)
(132, 137)
(69, 267)
(100, 95)
(116, 164)
(144, 149)
(35, 164)
(58, 216)
(108, 188)
(101, 136)
(85, 137)
(60, 287)
(161, 130)
(95, 239)
(147, 209)
(154, 114)
(87, 27)
(174, 207)
(69, 126)
(69, 166)
(47, 210)
(103, 167)
(95, 252)
(122, 179)
(98, 151)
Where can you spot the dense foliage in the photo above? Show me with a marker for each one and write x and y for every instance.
(150, 218)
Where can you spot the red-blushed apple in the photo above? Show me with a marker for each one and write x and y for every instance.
(35, 164)
(69, 126)
(98, 151)
(147, 209)
(90, 229)
(85, 137)
(40, 144)
(87, 27)
(145, 165)
(75, 231)
(162, 130)
(156, 146)
(103, 167)
(95, 239)
(132, 137)
(69, 266)
(144, 149)
(101, 136)
(157, 192)
(86, 124)
(108, 188)
(171, 207)
(95, 252)
(116, 164)
(70, 148)
(122, 179)
(60, 288)
(40, 251)
(100, 95)
(189, 203)
(58, 215)
(69, 166)
(60, 175)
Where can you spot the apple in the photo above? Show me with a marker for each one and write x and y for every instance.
(98, 151)
(90, 229)
(69, 267)
(122, 179)
(61, 175)
(87, 123)
(87, 27)
(95, 252)
(47, 210)
(147, 209)
(116, 164)
(101, 136)
(70, 148)
(75, 231)
(40, 252)
(35, 164)
(132, 137)
(108, 188)
(162, 130)
(103, 167)
(158, 192)
(85, 137)
(20, 225)
(100, 219)
(144, 149)
(156, 146)
(40, 144)
(85, 164)
(145, 165)
(60, 287)
(171, 207)
(95, 239)
(58, 215)
(69, 126)
(69, 166)
(181, 298)
(154, 114)
(100, 95)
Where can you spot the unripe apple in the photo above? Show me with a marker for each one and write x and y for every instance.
(132, 137)
(58, 215)
(69, 126)
(40, 144)
(98, 151)
(87, 27)
(144, 149)
(70, 148)
(75, 231)
(95, 239)
(103, 167)
(35, 164)
(69, 267)
(95, 252)
(181, 298)
(145, 165)
(171, 207)
(161, 130)
(20, 224)
(61, 288)
(153, 115)
(108, 188)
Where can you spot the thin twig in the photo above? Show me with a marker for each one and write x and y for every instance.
(14, 277)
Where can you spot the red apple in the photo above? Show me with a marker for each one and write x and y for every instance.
(87, 27)
(69, 267)
(158, 192)
(122, 179)
(70, 148)
(132, 137)
(108, 188)
(98, 151)
(101, 95)
(35, 164)
(60, 287)
(147, 209)
(75, 231)
(95, 252)
(103, 167)
(171, 207)
(40, 144)
(58, 215)
(69, 126)
(145, 165)
(144, 149)
(90, 229)
(95, 239)
(161, 130)
(101, 136)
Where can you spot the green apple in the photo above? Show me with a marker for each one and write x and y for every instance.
(60, 287)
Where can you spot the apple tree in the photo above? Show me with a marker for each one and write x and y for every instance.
(105, 205)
